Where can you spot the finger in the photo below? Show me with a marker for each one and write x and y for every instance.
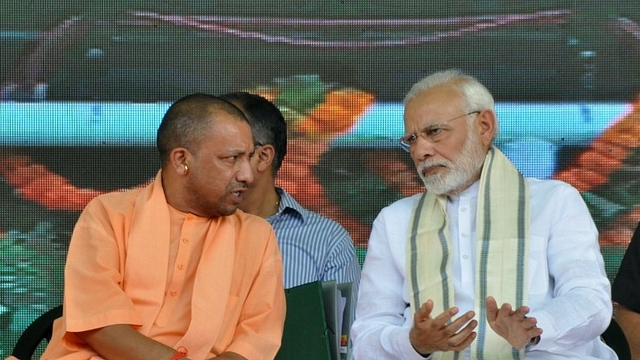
(505, 311)
(424, 312)
(506, 308)
(447, 330)
(522, 311)
(491, 304)
(492, 308)
(443, 319)
(428, 307)
(529, 323)
(533, 332)
(460, 336)
(458, 323)
(465, 343)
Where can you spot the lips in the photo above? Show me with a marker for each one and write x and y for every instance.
(428, 170)
(238, 193)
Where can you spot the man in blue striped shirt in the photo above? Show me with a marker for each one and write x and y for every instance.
(313, 247)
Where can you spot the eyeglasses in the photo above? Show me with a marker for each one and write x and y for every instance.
(432, 133)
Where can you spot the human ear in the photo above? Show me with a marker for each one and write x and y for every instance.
(179, 160)
(487, 126)
(265, 155)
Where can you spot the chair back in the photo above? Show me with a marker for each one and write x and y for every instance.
(38, 331)
(615, 339)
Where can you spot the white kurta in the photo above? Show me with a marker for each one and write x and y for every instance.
(569, 292)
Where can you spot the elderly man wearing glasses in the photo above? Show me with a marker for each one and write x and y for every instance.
(486, 264)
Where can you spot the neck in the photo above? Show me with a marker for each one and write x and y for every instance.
(263, 203)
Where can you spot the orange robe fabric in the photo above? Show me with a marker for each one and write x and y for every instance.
(209, 285)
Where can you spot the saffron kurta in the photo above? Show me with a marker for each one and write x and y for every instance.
(209, 285)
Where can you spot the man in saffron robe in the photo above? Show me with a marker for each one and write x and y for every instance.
(173, 271)
(486, 264)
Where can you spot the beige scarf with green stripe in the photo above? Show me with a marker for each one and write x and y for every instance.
(502, 219)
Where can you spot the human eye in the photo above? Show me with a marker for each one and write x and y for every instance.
(434, 132)
(410, 139)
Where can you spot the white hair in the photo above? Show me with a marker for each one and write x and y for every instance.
(476, 97)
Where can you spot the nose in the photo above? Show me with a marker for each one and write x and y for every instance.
(421, 149)
(245, 174)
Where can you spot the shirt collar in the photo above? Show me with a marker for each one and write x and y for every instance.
(471, 191)
(289, 205)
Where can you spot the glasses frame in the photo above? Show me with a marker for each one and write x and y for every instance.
(405, 143)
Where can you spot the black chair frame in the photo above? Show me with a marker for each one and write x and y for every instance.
(37, 332)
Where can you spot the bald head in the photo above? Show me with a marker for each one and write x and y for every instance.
(188, 120)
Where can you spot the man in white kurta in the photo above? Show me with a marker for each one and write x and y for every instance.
(568, 289)
(563, 300)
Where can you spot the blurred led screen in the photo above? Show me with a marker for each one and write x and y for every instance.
(83, 87)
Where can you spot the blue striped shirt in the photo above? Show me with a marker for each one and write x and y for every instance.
(313, 247)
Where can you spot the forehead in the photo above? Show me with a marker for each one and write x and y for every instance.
(433, 105)
(227, 131)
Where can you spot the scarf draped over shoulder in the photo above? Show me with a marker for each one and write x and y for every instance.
(502, 244)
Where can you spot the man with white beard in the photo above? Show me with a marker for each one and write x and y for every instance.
(486, 264)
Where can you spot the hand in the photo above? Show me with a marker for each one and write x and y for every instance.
(434, 334)
(513, 326)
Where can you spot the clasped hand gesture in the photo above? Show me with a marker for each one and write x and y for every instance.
(430, 334)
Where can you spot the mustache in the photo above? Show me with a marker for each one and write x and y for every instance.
(427, 164)
(243, 186)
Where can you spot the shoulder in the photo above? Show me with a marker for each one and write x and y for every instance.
(549, 185)
(117, 202)
(252, 233)
(248, 221)
(317, 220)
(554, 199)
(551, 190)
(401, 208)
(310, 218)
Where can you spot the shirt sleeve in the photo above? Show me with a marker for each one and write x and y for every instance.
(380, 330)
(342, 265)
(93, 275)
(627, 281)
(577, 307)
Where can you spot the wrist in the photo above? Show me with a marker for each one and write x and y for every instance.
(180, 354)
(424, 355)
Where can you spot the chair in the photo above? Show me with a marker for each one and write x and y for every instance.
(615, 339)
(39, 330)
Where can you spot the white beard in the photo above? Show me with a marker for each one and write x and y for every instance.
(458, 174)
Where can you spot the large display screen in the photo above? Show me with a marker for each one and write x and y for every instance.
(84, 85)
